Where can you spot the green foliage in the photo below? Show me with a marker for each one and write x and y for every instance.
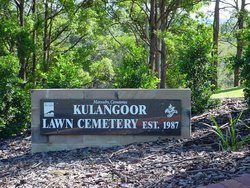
(102, 72)
(225, 76)
(66, 74)
(14, 99)
(230, 138)
(175, 77)
(196, 65)
(133, 71)
(8, 34)
(24, 43)
(245, 74)
(75, 44)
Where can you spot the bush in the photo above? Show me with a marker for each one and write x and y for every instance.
(246, 76)
(102, 72)
(14, 100)
(245, 73)
(196, 66)
(65, 74)
(134, 72)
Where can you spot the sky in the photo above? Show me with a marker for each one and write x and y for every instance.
(225, 13)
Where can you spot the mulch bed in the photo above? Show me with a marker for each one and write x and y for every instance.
(191, 162)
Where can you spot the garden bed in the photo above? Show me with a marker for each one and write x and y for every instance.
(166, 163)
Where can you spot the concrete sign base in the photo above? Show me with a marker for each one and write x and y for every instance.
(56, 139)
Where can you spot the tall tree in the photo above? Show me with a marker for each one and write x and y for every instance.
(21, 53)
(148, 20)
(239, 43)
(34, 38)
(153, 34)
(216, 28)
(239, 8)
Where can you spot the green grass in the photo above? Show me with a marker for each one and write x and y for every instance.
(236, 92)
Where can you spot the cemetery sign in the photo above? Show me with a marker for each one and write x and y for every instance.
(64, 119)
(110, 116)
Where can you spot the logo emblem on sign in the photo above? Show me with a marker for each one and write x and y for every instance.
(170, 111)
(48, 109)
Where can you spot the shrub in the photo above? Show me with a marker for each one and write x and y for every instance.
(245, 73)
(196, 66)
(14, 99)
(66, 74)
(102, 72)
(134, 72)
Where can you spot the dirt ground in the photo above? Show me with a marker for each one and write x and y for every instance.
(191, 162)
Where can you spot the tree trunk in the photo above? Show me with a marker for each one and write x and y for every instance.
(163, 67)
(239, 45)
(49, 43)
(153, 34)
(163, 64)
(21, 56)
(45, 37)
(34, 35)
(216, 28)
(158, 61)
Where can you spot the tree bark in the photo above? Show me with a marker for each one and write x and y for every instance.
(239, 45)
(216, 28)
(34, 35)
(163, 23)
(153, 34)
(45, 37)
(158, 61)
(21, 56)
(163, 64)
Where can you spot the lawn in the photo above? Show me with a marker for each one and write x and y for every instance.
(229, 93)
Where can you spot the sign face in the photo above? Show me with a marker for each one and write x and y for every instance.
(110, 117)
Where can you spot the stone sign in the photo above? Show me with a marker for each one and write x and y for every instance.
(74, 118)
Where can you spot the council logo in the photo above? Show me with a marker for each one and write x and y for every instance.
(170, 111)
(48, 109)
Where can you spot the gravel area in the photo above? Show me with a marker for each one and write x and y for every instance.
(191, 162)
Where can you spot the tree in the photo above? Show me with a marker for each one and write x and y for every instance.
(216, 28)
(241, 12)
(147, 19)
(239, 8)
(245, 74)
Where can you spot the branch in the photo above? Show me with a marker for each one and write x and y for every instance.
(230, 4)
(30, 8)
(71, 47)
(147, 8)
(140, 29)
(119, 42)
(59, 33)
(145, 11)
(172, 17)
(229, 42)
(64, 39)
(229, 7)
(54, 15)
(17, 4)
(167, 11)
(141, 33)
